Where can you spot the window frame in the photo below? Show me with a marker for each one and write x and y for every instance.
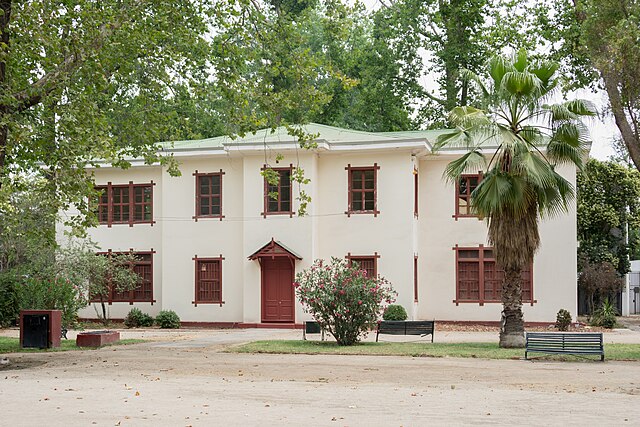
(482, 260)
(196, 296)
(466, 176)
(266, 198)
(198, 176)
(132, 293)
(415, 278)
(131, 204)
(350, 190)
(350, 258)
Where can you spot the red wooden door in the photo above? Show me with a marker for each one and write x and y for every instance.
(277, 290)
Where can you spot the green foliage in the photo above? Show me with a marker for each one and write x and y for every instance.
(136, 318)
(599, 281)
(563, 320)
(605, 316)
(608, 201)
(394, 312)
(168, 319)
(342, 299)
(59, 293)
(9, 299)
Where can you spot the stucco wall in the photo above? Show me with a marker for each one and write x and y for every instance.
(554, 274)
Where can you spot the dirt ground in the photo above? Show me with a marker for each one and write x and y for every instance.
(184, 378)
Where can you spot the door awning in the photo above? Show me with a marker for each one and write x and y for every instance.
(274, 249)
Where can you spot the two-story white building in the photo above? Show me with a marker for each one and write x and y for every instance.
(214, 247)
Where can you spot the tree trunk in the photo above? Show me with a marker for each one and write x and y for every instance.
(512, 324)
(617, 108)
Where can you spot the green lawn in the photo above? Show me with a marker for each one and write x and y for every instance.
(12, 345)
(479, 350)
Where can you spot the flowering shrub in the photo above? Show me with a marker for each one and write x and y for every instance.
(342, 299)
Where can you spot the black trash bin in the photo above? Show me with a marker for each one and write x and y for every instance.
(35, 332)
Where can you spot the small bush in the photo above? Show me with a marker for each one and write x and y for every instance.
(343, 299)
(395, 312)
(168, 319)
(136, 318)
(605, 316)
(563, 320)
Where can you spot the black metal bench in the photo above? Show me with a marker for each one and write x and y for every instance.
(574, 343)
(406, 327)
(312, 327)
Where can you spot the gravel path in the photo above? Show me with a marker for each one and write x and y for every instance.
(183, 378)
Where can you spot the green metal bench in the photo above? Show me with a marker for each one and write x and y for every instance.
(574, 343)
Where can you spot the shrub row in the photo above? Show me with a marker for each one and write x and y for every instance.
(166, 319)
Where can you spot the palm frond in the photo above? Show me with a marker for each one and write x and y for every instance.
(456, 138)
(581, 107)
(561, 152)
(555, 200)
(545, 70)
(534, 169)
(468, 117)
(521, 60)
(521, 84)
(472, 161)
(499, 66)
(472, 77)
(499, 192)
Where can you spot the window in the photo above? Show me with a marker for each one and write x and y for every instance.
(415, 193)
(143, 292)
(479, 279)
(208, 195)
(277, 198)
(464, 188)
(415, 278)
(125, 204)
(363, 190)
(368, 263)
(208, 281)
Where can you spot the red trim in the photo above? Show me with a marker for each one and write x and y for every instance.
(196, 299)
(132, 293)
(373, 257)
(350, 211)
(481, 281)
(415, 278)
(467, 197)
(415, 192)
(130, 205)
(265, 212)
(211, 195)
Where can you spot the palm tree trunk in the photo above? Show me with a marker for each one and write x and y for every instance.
(512, 324)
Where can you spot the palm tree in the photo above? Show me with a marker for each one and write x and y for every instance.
(518, 139)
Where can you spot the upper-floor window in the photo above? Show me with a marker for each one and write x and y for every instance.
(125, 204)
(277, 196)
(209, 195)
(479, 280)
(142, 265)
(363, 190)
(368, 263)
(464, 188)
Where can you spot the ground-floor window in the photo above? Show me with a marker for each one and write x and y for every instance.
(208, 281)
(143, 292)
(368, 263)
(479, 280)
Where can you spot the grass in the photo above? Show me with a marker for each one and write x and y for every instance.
(12, 345)
(477, 350)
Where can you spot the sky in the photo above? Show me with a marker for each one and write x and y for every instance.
(603, 128)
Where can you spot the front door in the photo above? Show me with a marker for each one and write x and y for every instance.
(277, 290)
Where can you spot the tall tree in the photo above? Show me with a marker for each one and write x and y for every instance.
(600, 42)
(608, 204)
(520, 184)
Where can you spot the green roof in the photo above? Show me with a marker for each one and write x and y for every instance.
(280, 135)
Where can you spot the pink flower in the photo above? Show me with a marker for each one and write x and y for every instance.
(359, 302)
